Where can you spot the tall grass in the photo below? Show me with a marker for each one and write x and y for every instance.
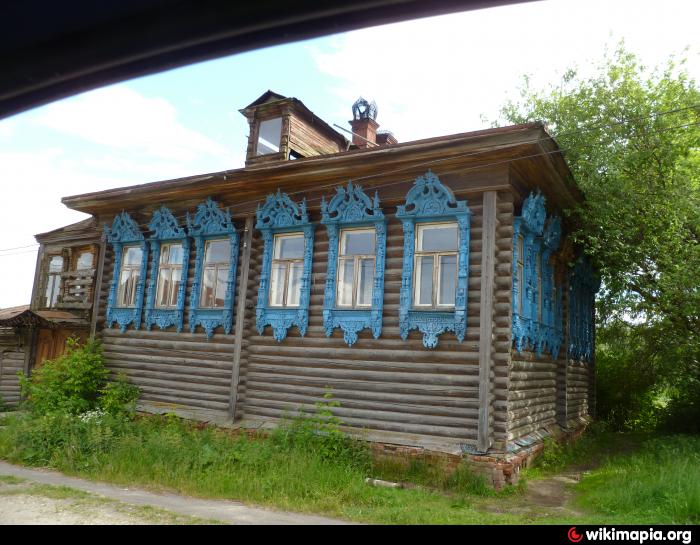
(292, 468)
(658, 484)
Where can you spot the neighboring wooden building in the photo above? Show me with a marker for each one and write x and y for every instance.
(428, 284)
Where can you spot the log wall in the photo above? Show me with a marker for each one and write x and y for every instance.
(12, 358)
(386, 384)
(184, 372)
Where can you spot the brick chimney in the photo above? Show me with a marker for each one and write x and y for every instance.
(364, 124)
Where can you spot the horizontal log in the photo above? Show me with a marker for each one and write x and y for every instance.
(337, 382)
(360, 423)
(369, 376)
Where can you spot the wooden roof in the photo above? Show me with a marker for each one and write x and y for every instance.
(528, 149)
(21, 316)
(81, 230)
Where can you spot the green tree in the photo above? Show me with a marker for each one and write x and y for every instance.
(631, 137)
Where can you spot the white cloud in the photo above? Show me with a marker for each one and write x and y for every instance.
(125, 138)
(122, 119)
(436, 76)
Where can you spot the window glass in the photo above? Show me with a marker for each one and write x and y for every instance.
(356, 266)
(289, 247)
(365, 282)
(217, 257)
(277, 281)
(132, 255)
(56, 264)
(346, 275)
(436, 238)
(296, 269)
(358, 242)
(424, 280)
(169, 275)
(53, 281)
(287, 270)
(84, 261)
(129, 276)
(217, 251)
(269, 135)
(448, 280)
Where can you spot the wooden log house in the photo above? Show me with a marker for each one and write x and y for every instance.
(429, 285)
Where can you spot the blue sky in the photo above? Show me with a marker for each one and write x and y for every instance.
(429, 77)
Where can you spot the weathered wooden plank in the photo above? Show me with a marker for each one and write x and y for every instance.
(484, 440)
(240, 315)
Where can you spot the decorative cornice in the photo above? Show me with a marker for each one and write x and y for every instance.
(429, 198)
(209, 219)
(351, 205)
(164, 226)
(280, 212)
(124, 230)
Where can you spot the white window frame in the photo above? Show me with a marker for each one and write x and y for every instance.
(286, 262)
(54, 282)
(172, 293)
(216, 266)
(418, 254)
(266, 142)
(356, 268)
(122, 268)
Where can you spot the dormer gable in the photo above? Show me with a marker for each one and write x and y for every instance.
(283, 128)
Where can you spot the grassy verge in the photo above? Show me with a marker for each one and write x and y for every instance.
(298, 469)
(292, 469)
(658, 483)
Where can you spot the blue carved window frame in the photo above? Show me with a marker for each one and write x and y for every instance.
(351, 207)
(429, 201)
(550, 329)
(541, 238)
(125, 232)
(165, 229)
(279, 215)
(210, 222)
(583, 285)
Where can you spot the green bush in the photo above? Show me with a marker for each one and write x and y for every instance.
(70, 384)
(76, 383)
(119, 398)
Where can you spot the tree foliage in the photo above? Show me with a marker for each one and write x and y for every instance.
(631, 137)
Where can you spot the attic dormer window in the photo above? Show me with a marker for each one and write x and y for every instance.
(269, 135)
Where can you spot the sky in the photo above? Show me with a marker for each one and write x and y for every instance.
(429, 77)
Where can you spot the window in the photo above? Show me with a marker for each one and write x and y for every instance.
(129, 276)
(520, 273)
(284, 293)
(269, 135)
(354, 294)
(169, 275)
(216, 244)
(287, 269)
(53, 282)
(356, 264)
(435, 281)
(217, 262)
(435, 270)
(538, 273)
(84, 261)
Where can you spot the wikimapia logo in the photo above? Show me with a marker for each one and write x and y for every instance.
(638, 536)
